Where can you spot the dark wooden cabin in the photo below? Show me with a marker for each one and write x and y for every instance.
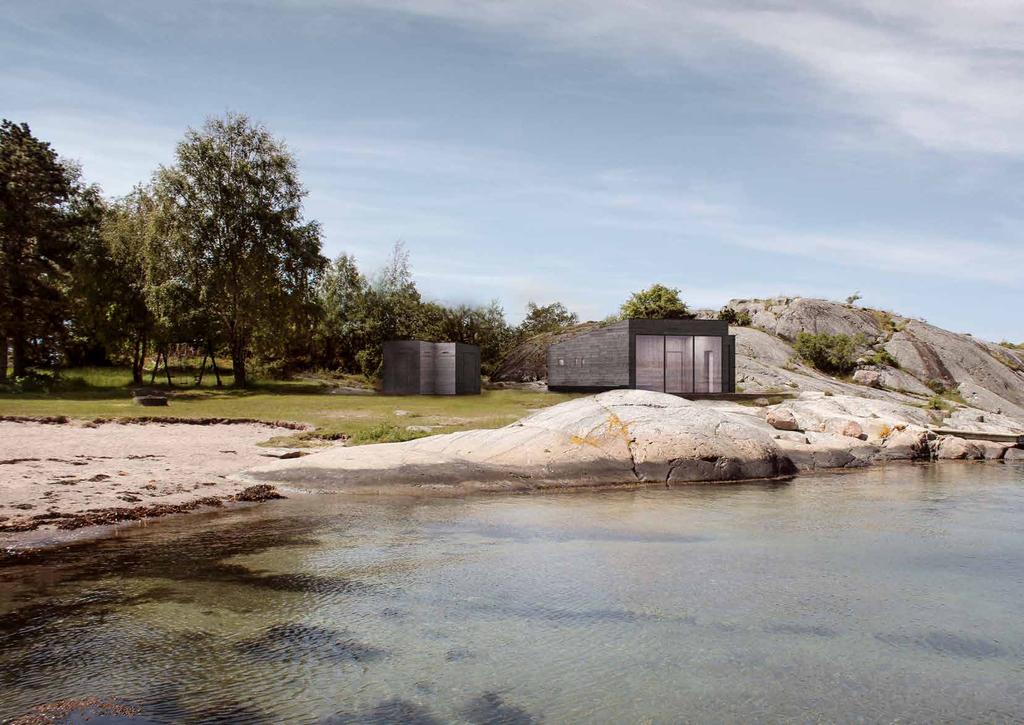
(685, 357)
(412, 367)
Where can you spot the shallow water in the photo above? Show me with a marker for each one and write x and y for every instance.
(893, 593)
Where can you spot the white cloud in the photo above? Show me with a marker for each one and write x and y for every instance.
(947, 74)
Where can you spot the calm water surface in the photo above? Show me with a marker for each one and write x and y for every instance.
(890, 594)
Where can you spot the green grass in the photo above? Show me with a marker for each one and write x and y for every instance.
(89, 393)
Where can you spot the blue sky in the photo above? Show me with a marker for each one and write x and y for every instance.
(583, 149)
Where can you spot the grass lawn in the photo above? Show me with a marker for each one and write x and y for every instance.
(106, 392)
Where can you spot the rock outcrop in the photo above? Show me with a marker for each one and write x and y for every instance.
(632, 437)
(617, 438)
(927, 358)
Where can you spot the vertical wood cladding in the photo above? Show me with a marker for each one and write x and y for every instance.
(606, 358)
(412, 367)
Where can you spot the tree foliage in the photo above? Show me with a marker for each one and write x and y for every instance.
(545, 318)
(657, 302)
(832, 354)
(234, 244)
(36, 191)
(740, 318)
(110, 279)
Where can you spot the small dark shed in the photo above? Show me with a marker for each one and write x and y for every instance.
(685, 357)
(412, 367)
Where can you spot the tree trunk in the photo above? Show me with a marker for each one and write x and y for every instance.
(19, 362)
(238, 363)
(213, 363)
(138, 361)
(3, 358)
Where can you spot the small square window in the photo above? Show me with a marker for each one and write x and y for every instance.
(561, 362)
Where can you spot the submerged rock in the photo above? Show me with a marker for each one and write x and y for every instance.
(618, 437)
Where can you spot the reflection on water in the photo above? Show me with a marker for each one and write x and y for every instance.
(893, 593)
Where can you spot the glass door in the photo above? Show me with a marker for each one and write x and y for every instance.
(707, 356)
(650, 362)
(678, 364)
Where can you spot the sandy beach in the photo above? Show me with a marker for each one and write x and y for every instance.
(77, 474)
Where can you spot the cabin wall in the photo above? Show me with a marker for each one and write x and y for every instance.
(596, 359)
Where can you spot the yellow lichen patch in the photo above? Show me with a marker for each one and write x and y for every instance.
(597, 435)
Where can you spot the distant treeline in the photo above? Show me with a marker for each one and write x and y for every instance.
(213, 253)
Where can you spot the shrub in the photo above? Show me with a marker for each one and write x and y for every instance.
(881, 358)
(386, 433)
(833, 354)
(34, 381)
(657, 302)
(741, 318)
(937, 402)
(936, 386)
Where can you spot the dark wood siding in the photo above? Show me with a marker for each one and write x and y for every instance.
(443, 368)
(596, 359)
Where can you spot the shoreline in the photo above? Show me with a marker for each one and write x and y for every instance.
(14, 546)
(63, 475)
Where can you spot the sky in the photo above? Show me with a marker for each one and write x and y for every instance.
(581, 150)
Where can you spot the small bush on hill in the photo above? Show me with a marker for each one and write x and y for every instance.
(881, 358)
(657, 302)
(937, 402)
(832, 354)
(739, 318)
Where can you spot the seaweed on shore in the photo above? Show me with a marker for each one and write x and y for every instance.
(119, 514)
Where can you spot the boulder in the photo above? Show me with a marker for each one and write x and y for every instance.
(1014, 454)
(992, 451)
(852, 429)
(781, 419)
(907, 443)
(870, 378)
(615, 438)
(952, 448)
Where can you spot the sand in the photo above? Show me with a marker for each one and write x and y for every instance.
(51, 472)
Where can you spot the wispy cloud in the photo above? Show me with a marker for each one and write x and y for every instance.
(947, 74)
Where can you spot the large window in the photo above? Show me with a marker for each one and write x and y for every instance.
(707, 363)
(650, 362)
(679, 363)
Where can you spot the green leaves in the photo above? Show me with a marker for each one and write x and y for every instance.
(657, 302)
(235, 255)
(832, 354)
